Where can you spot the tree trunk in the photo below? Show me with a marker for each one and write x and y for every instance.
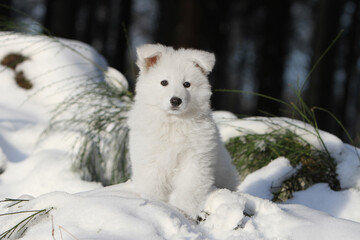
(188, 29)
(351, 57)
(167, 20)
(273, 53)
(5, 11)
(321, 87)
(61, 16)
(216, 33)
(122, 36)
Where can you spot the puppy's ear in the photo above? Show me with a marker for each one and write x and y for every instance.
(148, 55)
(205, 61)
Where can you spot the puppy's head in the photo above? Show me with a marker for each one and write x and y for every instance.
(174, 81)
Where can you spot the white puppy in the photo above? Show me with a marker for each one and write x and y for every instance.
(175, 149)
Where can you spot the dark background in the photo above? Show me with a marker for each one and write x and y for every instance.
(263, 46)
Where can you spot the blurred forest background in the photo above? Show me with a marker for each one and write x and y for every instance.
(261, 46)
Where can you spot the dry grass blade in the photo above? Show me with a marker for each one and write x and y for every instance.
(20, 227)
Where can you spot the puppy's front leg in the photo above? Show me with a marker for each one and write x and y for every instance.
(151, 180)
(192, 183)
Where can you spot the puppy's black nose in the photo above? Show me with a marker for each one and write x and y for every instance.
(175, 101)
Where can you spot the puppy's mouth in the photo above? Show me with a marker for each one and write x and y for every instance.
(174, 110)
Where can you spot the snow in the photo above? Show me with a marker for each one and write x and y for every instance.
(40, 171)
(320, 197)
(260, 182)
(113, 214)
(348, 167)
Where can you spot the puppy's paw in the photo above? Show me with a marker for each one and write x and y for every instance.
(225, 211)
(202, 217)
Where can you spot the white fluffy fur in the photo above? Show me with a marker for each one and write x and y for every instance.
(176, 153)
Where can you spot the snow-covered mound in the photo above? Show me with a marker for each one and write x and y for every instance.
(118, 212)
(57, 204)
(341, 204)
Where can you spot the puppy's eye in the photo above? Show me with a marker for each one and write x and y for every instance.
(164, 83)
(186, 84)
